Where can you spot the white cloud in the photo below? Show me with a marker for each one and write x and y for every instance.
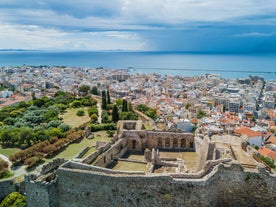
(35, 37)
(105, 24)
(255, 34)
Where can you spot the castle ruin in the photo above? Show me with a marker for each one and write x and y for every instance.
(218, 177)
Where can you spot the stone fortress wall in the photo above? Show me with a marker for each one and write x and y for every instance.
(225, 185)
(217, 182)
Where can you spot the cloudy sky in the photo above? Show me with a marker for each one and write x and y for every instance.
(146, 25)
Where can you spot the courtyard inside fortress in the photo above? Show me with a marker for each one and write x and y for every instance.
(171, 152)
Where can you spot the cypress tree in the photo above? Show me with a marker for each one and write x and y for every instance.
(124, 109)
(104, 104)
(108, 98)
(115, 114)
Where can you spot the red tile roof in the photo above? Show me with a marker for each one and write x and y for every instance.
(248, 132)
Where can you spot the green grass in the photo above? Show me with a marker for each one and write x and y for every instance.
(74, 149)
(130, 166)
(70, 117)
(92, 149)
(8, 151)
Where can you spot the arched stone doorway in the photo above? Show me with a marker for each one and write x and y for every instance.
(159, 143)
(134, 144)
(175, 143)
(183, 143)
(167, 143)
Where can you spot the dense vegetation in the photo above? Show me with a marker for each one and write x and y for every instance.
(37, 127)
(150, 112)
(14, 199)
(38, 120)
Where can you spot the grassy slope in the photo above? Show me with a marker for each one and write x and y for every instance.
(70, 117)
(8, 151)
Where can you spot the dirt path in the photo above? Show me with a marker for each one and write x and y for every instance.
(6, 159)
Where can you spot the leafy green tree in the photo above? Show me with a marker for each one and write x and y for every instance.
(119, 102)
(75, 104)
(93, 110)
(9, 121)
(27, 136)
(14, 199)
(94, 90)
(201, 114)
(105, 117)
(115, 113)
(84, 89)
(187, 106)
(142, 107)
(94, 118)
(57, 132)
(80, 113)
(152, 113)
(38, 102)
(128, 115)
(64, 127)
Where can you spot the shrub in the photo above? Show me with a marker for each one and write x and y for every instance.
(80, 113)
(3, 172)
(14, 199)
(3, 164)
(100, 127)
(110, 133)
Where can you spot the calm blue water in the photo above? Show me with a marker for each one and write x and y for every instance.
(231, 66)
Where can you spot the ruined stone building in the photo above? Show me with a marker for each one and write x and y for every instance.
(163, 173)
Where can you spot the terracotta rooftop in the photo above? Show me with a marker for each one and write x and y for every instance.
(267, 153)
(248, 132)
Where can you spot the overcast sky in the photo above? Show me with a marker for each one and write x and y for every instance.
(151, 25)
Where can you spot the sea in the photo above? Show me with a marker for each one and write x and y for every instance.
(163, 63)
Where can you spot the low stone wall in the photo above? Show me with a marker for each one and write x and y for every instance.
(80, 155)
(90, 158)
(51, 166)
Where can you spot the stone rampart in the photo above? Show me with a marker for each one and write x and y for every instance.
(226, 185)
(41, 193)
(6, 187)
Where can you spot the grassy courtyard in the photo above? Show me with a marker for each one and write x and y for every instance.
(74, 149)
(70, 117)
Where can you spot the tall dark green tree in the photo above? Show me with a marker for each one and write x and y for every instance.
(94, 90)
(115, 114)
(124, 108)
(108, 98)
(104, 103)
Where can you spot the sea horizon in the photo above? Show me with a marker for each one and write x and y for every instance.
(228, 65)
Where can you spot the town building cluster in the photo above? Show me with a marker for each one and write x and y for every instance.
(215, 105)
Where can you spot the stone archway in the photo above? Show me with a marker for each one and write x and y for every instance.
(183, 143)
(167, 143)
(175, 143)
(134, 144)
(159, 143)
